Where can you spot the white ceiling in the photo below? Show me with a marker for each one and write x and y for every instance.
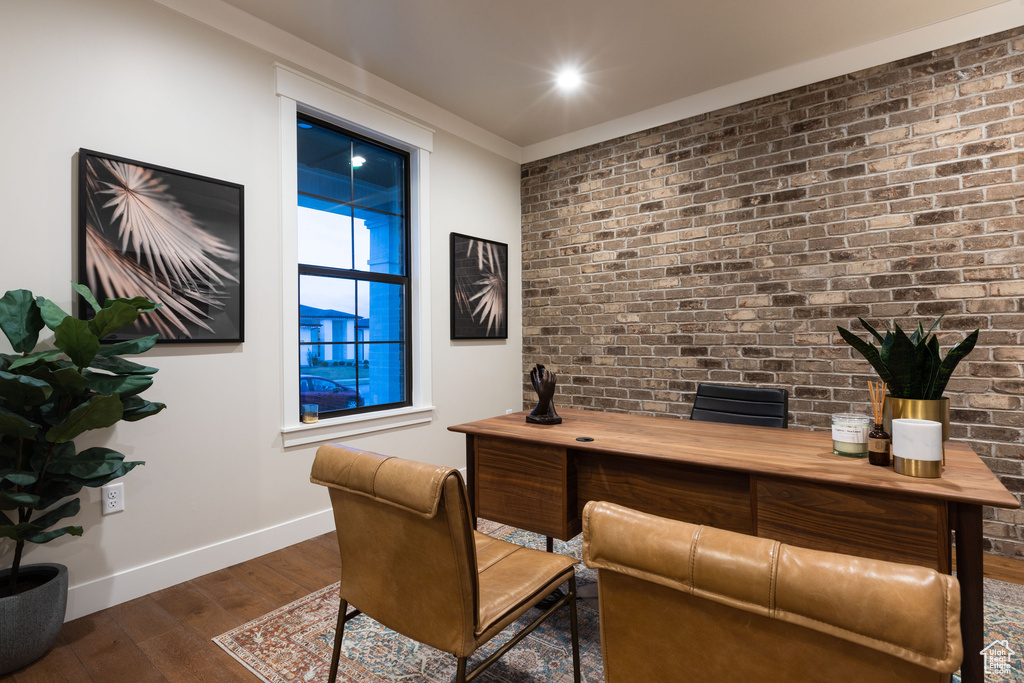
(492, 62)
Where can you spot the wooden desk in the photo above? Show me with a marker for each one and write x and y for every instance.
(781, 484)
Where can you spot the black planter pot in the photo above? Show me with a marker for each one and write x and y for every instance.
(31, 621)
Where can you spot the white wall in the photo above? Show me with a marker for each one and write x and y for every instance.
(135, 79)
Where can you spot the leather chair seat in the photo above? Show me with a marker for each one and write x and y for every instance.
(507, 573)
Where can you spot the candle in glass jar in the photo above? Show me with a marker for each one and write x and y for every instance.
(850, 435)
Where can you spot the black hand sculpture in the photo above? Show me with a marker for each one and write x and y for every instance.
(544, 384)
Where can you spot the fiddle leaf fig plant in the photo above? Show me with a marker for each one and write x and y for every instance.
(910, 366)
(49, 397)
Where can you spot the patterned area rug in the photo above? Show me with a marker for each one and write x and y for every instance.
(294, 642)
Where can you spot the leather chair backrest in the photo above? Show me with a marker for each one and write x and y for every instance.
(715, 605)
(741, 405)
(408, 558)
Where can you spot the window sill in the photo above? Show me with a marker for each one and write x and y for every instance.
(353, 425)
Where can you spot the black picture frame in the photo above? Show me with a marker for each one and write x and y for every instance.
(172, 236)
(479, 288)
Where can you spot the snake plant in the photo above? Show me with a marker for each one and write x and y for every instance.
(910, 366)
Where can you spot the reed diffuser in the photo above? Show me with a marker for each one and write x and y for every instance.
(879, 441)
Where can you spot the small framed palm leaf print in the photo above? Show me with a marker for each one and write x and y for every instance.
(171, 236)
(479, 288)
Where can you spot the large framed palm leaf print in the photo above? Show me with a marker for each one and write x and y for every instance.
(171, 236)
(479, 285)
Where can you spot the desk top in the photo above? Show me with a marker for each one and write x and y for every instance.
(792, 453)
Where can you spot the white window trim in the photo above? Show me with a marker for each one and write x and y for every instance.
(299, 93)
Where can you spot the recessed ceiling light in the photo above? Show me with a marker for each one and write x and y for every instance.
(568, 79)
(358, 161)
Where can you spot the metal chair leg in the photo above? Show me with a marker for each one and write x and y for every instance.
(574, 631)
(460, 672)
(339, 633)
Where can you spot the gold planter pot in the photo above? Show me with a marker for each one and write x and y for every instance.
(936, 410)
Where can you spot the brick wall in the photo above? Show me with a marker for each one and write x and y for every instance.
(728, 247)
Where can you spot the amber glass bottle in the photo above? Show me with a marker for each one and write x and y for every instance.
(879, 444)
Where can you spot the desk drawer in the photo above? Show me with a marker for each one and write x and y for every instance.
(527, 486)
(860, 522)
(697, 495)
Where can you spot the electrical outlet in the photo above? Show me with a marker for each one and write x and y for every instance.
(510, 411)
(112, 497)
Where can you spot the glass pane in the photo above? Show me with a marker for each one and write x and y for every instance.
(379, 242)
(324, 158)
(327, 315)
(330, 385)
(325, 237)
(379, 178)
(382, 307)
(383, 367)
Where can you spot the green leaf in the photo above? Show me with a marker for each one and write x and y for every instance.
(909, 365)
(12, 500)
(139, 303)
(48, 536)
(34, 357)
(120, 366)
(952, 359)
(124, 469)
(123, 385)
(113, 317)
(136, 408)
(886, 347)
(19, 478)
(22, 390)
(129, 346)
(918, 335)
(51, 313)
(68, 509)
(868, 351)
(89, 464)
(87, 295)
(18, 532)
(869, 328)
(69, 381)
(20, 319)
(12, 424)
(58, 487)
(75, 338)
(97, 413)
(929, 379)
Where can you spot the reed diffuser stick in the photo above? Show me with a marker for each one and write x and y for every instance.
(877, 391)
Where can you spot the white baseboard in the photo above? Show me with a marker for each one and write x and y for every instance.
(86, 598)
(108, 591)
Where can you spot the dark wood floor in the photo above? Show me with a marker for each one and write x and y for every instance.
(166, 636)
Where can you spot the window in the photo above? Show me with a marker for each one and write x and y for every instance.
(353, 240)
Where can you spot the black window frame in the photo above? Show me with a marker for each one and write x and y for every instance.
(366, 276)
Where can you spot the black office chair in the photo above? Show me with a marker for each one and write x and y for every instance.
(741, 405)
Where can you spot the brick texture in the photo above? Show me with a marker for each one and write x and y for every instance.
(727, 247)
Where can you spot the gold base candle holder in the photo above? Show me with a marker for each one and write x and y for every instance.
(917, 447)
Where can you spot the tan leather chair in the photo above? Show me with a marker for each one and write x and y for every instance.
(411, 560)
(681, 602)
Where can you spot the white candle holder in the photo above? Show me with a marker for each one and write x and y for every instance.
(917, 447)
